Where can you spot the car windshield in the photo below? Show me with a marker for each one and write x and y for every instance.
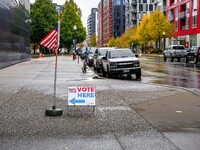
(92, 50)
(102, 52)
(178, 47)
(121, 53)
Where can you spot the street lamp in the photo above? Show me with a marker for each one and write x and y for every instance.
(164, 39)
(75, 28)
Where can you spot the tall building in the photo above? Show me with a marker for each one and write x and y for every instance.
(15, 35)
(118, 18)
(111, 19)
(136, 9)
(92, 24)
(185, 14)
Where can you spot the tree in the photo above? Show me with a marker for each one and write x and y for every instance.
(93, 40)
(118, 42)
(159, 24)
(70, 16)
(111, 43)
(144, 33)
(43, 19)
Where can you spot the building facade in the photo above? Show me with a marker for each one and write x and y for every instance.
(136, 9)
(118, 18)
(111, 17)
(92, 24)
(185, 14)
(14, 28)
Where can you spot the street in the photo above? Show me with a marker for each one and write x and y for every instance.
(155, 70)
(130, 114)
(179, 74)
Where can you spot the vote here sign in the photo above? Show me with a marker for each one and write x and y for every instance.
(84, 95)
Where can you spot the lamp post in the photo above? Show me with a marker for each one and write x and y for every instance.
(164, 40)
(75, 28)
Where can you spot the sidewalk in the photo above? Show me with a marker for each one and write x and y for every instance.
(26, 91)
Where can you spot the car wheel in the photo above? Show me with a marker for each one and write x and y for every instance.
(138, 75)
(103, 72)
(195, 60)
(108, 73)
(186, 60)
(95, 67)
(164, 58)
(98, 69)
(172, 58)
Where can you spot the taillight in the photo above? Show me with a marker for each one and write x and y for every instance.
(199, 50)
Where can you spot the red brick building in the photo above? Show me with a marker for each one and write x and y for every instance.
(105, 21)
(185, 14)
(111, 20)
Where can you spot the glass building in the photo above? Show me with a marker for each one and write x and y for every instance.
(14, 29)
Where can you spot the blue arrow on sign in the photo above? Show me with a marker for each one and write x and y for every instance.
(75, 101)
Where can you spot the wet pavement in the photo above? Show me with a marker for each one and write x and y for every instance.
(179, 74)
(26, 91)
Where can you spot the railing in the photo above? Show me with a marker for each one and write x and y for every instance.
(134, 2)
(164, 8)
(133, 10)
(133, 17)
(182, 15)
(194, 25)
(185, 27)
(170, 18)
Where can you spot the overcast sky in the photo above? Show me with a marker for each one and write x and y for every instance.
(85, 5)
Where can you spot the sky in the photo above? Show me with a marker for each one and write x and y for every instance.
(84, 5)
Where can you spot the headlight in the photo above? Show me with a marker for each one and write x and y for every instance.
(136, 64)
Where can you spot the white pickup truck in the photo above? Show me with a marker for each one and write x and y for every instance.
(120, 61)
(174, 51)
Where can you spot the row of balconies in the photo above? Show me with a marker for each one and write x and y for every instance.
(181, 15)
(134, 2)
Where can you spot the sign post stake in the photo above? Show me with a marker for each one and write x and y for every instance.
(55, 111)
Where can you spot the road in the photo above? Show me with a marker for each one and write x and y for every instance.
(155, 70)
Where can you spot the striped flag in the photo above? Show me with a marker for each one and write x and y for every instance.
(50, 40)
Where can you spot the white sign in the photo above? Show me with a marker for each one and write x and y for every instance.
(80, 96)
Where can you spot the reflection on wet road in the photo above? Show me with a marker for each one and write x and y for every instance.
(155, 70)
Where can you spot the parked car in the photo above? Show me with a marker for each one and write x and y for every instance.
(197, 54)
(174, 51)
(90, 56)
(82, 53)
(119, 62)
(97, 59)
(190, 54)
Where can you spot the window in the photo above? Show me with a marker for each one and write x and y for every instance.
(194, 21)
(141, 7)
(150, 7)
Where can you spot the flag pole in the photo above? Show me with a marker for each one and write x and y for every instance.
(55, 111)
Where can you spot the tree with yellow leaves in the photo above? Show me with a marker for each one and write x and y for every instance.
(111, 43)
(93, 42)
(157, 25)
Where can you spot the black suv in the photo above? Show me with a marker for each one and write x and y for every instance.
(98, 54)
(193, 54)
(197, 54)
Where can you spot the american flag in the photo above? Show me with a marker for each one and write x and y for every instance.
(50, 40)
(72, 90)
